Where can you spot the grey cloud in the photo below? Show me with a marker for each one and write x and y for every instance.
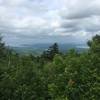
(39, 19)
(89, 12)
(79, 9)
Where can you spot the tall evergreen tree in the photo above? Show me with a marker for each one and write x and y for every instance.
(94, 44)
(51, 52)
(2, 48)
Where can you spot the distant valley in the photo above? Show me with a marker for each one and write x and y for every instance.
(37, 49)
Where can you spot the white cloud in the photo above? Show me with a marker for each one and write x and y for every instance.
(42, 18)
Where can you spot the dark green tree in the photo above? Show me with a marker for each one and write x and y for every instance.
(51, 52)
(2, 48)
(94, 44)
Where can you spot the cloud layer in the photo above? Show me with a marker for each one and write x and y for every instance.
(28, 21)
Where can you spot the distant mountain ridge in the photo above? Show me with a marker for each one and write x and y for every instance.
(39, 48)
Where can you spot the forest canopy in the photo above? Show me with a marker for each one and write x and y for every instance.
(52, 75)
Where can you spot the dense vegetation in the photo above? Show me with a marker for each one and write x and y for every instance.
(51, 76)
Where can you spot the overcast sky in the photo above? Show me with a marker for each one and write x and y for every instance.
(43, 21)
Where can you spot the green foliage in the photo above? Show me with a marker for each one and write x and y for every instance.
(51, 52)
(95, 44)
(53, 76)
(2, 48)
